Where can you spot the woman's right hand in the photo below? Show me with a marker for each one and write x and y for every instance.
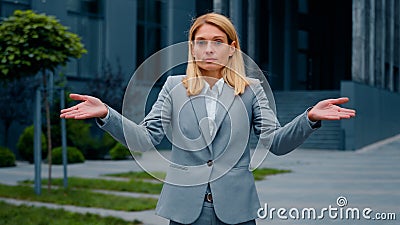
(90, 107)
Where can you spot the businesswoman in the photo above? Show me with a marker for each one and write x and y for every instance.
(210, 111)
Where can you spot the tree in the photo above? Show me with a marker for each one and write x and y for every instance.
(31, 43)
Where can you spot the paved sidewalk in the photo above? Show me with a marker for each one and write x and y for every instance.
(368, 178)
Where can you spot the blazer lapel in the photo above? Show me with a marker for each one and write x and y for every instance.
(223, 104)
(199, 107)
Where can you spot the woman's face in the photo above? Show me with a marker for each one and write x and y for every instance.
(210, 48)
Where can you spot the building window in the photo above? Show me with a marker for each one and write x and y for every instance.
(7, 7)
(263, 34)
(149, 28)
(303, 61)
(86, 18)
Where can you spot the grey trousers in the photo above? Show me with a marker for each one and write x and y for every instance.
(208, 217)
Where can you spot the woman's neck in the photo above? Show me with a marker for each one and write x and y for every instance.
(211, 77)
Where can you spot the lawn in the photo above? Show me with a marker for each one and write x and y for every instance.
(132, 185)
(262, 173)
(142, 175)
(259, 174)
(78, 197)
(28, 215)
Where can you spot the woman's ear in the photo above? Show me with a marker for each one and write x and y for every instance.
(232, 48)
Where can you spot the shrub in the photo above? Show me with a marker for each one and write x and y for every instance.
(82, 135)
(73, 155)
(106, 143)
(79, 136)
(119, 152)
(25, 144)
(7, 157)
(101, 147)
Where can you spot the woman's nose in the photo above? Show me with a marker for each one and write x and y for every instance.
(209, 48)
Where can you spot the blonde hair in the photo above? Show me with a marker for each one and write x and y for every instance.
(233, 72)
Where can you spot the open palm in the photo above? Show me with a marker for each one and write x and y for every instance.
(329, 110)
(90, 107)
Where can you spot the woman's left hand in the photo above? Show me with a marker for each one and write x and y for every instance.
(328, 110)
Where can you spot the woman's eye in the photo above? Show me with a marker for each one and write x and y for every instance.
(201, 42)
(218, 42)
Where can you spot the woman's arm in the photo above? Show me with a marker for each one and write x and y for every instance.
(138, 137)
(282, 140)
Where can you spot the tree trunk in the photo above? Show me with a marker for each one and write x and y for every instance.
(48, 125)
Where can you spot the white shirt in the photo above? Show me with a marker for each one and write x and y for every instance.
(211, 101)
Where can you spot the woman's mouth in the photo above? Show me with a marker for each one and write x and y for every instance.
(210, 59)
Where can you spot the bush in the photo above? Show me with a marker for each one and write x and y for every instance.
(119, 152)
(7, 157)
(74, 155)
(25, 144)
(101, 147)
(79, 136)
(104, 144)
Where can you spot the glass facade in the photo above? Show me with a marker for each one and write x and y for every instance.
(150, 28)
(300, 45)
(7, 7)
(86, 18)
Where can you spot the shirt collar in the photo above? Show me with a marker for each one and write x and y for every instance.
(219, 85)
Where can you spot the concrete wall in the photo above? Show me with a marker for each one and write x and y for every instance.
(378, 114)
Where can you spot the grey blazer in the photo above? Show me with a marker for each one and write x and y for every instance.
(198, 158)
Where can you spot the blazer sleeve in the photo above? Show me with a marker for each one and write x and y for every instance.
(280, 140)
(145, 135)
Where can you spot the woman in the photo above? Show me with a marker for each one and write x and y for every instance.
(209, 112)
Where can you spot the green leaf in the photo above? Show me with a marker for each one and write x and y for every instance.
(36, 41)
(4, 71)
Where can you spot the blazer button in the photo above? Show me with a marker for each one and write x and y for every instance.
(209, 163)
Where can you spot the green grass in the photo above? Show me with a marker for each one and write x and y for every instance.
(261, 173)
(139, 175)
(132, 185)
(79, 197)
(27, 215)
